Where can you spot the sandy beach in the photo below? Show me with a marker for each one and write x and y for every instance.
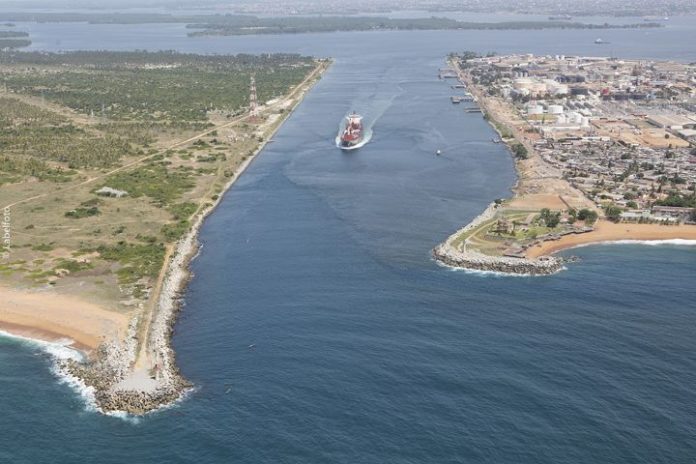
(50, 316)
(606, 231)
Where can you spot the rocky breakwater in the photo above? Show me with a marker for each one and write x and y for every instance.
(121, 382)
(473, 260)
(115, 386)
(465, 257)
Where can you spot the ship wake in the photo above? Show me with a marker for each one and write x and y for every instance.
(366, 139)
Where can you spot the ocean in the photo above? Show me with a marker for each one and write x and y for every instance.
(318, 329)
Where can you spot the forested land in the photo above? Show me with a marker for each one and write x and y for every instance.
(117, 150)
(237, 24)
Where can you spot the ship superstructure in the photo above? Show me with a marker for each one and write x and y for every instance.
(353, 132)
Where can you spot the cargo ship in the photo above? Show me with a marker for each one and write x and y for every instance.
(353, 132)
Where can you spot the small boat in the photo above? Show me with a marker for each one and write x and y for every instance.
(438, 153)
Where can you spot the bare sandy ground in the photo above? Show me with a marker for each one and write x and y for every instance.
(50, 316)
(552, 201)
(606, 231)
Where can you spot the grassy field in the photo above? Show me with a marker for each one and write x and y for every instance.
(508, 229)
(125, 86)
(159, 140)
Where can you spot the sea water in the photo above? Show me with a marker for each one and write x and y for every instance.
(318, 329)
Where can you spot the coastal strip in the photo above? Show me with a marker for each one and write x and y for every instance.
(129, 367)
(50, 317)
(550, 211)
(607, 232)
(153, 380)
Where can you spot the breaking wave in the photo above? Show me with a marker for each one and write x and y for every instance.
(497, 274)
(60, 351)
(658, 242)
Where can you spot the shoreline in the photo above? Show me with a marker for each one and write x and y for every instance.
(539, 259)
(136, 394)
(114, 376)
(49, 316)
(465, 258)
(33, 334)
(606, 233)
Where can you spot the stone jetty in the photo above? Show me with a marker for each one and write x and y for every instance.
(466, 258)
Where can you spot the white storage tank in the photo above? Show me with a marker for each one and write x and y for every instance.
(555, 109)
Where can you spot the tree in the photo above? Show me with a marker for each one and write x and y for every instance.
(587, 215)
(572, 215)
(551, 219)
(520, 151)
(613, 213)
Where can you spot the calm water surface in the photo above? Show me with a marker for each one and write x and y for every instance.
(366, 350)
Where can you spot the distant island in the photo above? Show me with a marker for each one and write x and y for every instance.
(110, 161)
(14, 39)
(231, 24)
(247, 25)
(605, 150)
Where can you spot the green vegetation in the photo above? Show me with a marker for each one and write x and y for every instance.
(164, 86)
(71, 265)
(154, 181)
(110, 119)
(31, 167)
(30, 136)
(137, 260)
(247, 24)
(176, 230)
(551, 219)
(183, 210)
(613, 213)
(679, 200)
(519, 150)
(587, 215)
(14, 43)
(82, 212)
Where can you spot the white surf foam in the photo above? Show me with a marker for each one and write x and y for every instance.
(365, 141)
(61, 351)
(498, 274)
(674, 241)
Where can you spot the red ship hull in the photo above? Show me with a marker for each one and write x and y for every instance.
(353, 132)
